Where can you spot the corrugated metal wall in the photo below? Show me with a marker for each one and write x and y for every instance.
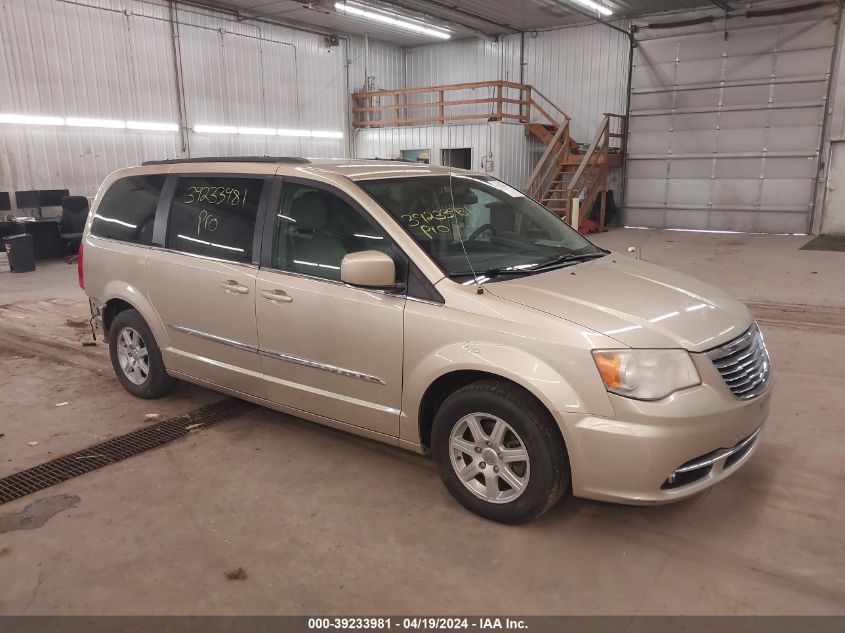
(113, 59)
(387, 64)
(583, 70)
(463, 61)
(506, 143)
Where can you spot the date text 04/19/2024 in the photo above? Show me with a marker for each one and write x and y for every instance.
(416, 624)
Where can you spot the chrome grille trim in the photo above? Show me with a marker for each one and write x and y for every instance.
(721, 454)
(743, 364)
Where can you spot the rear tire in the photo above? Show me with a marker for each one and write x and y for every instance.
(136, 357)
(499, 453)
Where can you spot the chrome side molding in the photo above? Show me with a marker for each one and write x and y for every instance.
(213, 337)
(296, 360)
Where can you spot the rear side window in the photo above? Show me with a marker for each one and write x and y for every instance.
(214, 216)
(127, 210)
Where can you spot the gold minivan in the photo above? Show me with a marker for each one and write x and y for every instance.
(432, 308)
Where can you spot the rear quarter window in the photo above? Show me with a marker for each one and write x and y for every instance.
(214, 216)
(127, 210)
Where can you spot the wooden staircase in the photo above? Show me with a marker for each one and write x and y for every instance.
(566, 171)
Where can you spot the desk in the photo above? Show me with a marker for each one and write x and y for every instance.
(45, 236)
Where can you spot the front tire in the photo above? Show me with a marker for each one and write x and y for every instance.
(499, 453)
(136, 357)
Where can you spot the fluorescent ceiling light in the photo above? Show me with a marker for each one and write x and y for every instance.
(152, 127)
(258, 131)
(294, 132)
(265, 131)
(23, 119)
(215, 129)
(416, 27)
(106, 123)
(595, 6)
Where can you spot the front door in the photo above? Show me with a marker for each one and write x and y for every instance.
(202, 280)
(326, 347)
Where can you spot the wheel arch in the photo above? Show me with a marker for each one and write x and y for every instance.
(112, 308)
(450, 382)
(122, 297)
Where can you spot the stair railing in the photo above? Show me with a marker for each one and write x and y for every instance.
(548, 166)
(532, 91)
(596, 164)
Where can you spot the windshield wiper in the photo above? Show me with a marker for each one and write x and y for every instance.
(560, 260)
(500, 272)
(569, 258)
(494, 272)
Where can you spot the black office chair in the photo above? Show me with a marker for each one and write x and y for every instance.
(74, 216)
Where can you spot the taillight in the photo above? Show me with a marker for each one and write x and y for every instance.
(79, 271)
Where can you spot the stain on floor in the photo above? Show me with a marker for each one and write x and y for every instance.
(37, 513)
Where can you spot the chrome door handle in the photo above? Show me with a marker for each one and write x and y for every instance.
(233, 286)
(277, 295)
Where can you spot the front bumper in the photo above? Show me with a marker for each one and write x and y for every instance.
(659, 452)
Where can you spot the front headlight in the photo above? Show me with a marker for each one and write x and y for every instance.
(646, 374)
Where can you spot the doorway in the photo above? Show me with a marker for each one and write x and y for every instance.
(458, 157)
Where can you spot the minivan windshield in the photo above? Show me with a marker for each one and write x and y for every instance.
(471, 217)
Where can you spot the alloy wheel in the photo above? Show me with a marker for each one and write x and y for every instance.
(133, 355)
(489, 457)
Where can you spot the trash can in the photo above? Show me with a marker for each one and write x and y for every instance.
(21, 252)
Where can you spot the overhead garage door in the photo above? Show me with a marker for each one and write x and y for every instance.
(725, 130)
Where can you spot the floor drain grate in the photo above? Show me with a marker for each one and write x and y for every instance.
(116, 449)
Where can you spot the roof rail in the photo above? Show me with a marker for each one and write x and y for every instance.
(292, 160)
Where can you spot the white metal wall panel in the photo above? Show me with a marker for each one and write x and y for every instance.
(725, 133)
(463, 61)
(387, 64)
(113, 59)
(506, 143)
(261, 75)
(71, 60)
(583, 70)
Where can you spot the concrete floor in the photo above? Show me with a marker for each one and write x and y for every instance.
(324, 522)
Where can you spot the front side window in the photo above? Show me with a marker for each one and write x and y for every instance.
(475, 223)
(315, 229)
(128, 209)
(214, 216)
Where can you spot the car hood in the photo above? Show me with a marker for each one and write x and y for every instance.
(634, 302)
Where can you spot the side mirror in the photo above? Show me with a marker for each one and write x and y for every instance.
(370, 269)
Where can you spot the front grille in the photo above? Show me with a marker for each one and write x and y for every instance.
(744, 364)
